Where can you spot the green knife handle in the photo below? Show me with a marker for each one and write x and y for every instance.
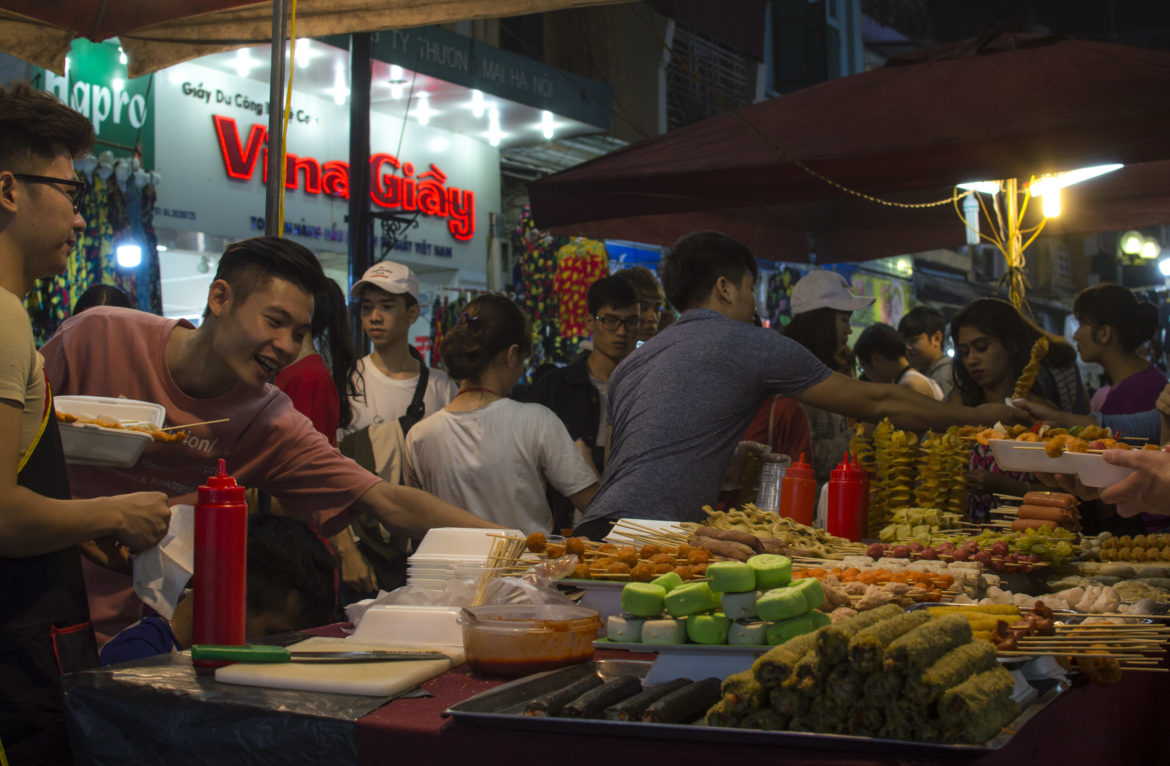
(245, 653)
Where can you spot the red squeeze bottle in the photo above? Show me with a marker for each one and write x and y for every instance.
(844, 516)
(221, 549)
(863, 477)
(798, 492)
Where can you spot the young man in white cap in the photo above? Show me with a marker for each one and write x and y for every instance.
(394, 380)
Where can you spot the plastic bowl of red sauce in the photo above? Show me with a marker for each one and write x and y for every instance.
(515, 640)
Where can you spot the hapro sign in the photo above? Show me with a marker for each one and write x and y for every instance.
(213, 151)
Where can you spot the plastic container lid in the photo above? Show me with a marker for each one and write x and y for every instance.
(800, 469)
(221, 489)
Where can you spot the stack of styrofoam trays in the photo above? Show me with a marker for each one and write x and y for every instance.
(445, 548)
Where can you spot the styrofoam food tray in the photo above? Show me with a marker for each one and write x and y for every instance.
(1012, 455)
(1095, 472)
(89, 444)
(410, 626)
(460, 542)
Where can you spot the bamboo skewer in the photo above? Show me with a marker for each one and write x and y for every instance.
(190, 425)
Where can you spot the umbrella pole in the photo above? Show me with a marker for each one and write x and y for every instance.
(273, 190)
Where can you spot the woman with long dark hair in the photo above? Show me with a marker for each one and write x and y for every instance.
(1113, 325)
(822, 307)
(489, 454)
(993, 343)
(324, 369)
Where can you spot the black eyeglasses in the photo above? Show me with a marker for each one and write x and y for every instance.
(77, 188)
(612, 323)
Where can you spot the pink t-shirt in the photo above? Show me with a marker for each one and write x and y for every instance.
(266, 443)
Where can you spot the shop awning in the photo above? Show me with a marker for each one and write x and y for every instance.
(1002, 105)
(158, 33)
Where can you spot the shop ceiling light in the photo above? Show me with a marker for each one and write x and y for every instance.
(129, 255)
(1050, 202)
(397, 79)
(477, 103)
(1164, 267)
(243, 62)
(494, 135)
(304, 53)
(339, 91)
(547, 126)
(423, 110)
(1131, 242)
(983, 187)
(1150, 250)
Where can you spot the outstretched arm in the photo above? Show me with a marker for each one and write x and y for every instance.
(411, 512)
(873, 401)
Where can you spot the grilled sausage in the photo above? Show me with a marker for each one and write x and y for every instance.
(1052, 499)
(734, 535)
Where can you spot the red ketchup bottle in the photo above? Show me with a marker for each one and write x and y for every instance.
(863, 477)
(798, 492)
(845, 517)
(221, 548)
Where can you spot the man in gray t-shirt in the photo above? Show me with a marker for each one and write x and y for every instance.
(680, 402)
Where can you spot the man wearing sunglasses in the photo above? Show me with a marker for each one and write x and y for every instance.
(45, 627)
(578, 393)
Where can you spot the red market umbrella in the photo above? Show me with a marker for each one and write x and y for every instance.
(158, 33)
(998, 106)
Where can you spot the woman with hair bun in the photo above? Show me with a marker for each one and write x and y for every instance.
(1113, 324)
(485, 452)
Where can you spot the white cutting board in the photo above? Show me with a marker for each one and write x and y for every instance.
(371, 679)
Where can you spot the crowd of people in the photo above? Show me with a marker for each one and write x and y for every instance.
(371, 452)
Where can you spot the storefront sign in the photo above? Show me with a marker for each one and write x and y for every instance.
(392, 183)
(212, 153)
(95, 84)
(436, 52)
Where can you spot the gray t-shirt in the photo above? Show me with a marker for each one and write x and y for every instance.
(941, 372)
(680, 403)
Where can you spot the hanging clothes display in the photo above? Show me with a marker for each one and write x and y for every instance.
(778, 296)
(110, 213)
(580, 263)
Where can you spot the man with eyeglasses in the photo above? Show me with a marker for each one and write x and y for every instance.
(650, 299)
(45, 628)
(578, 393)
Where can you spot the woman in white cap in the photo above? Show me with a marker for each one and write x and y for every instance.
(822, 307)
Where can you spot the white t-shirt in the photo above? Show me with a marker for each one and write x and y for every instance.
(496, 462)
(387, 398)
(912, 374)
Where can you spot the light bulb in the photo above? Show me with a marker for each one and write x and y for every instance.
(546, 124)
(1164, 267)
(1131, 243)
(1150, 249)
(129, 255)
(1050, 202)
(477, 103)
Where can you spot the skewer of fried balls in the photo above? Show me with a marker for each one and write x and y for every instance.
(1031, 370)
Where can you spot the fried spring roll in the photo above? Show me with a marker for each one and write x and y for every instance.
(952, 669)
(867, 646)
(833, 640)
(914, 651)
(686, 704)
(961, 703)
(985, 723)
(788, 701)
(591, 703)
(742, 693)
(553, 703)
(774, 666)
(765, 719)
(631, 709)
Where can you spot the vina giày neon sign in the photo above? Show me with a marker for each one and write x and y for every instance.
(426, 193)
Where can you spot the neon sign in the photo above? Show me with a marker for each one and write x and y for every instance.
(401, 188)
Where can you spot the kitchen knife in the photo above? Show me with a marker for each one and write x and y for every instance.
(260, 653)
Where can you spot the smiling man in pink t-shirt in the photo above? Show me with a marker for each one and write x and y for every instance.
(258, 311)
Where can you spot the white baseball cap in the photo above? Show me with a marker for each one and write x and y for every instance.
(825, 289)
(389, 276)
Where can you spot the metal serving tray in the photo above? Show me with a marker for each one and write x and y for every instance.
(503, 707)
